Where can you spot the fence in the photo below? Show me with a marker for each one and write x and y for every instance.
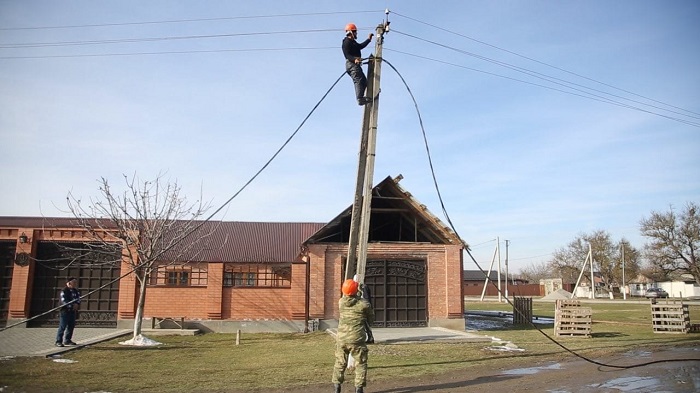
(522, 310)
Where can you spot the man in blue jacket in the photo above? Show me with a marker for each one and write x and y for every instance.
(353, 61)
(70, 302)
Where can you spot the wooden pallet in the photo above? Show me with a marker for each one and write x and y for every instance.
(670, 318)
(572, 320)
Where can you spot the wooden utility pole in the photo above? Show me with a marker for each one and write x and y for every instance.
(362, 203)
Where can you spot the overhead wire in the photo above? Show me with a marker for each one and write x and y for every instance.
(467, 249)
(541, 62)
(561, 82)
(223, 18)
(156, 39)
(172, 52)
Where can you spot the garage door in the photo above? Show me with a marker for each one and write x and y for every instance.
(398, 289)
(7, 257)
(54, 264)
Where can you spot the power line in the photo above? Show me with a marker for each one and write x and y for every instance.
(165, 53)
(156, 39)
(186, 20)
(542, 63)
(585, 94)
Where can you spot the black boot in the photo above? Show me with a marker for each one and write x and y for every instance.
(360, 390)
(336, 388)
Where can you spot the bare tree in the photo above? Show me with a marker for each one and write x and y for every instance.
(674, 241)
(568, 261)
(536, 271)
(150, 223)
(632, 262)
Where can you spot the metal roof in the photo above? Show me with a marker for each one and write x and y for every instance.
(214, 241)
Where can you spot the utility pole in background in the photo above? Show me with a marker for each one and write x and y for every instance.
(362, 202)
(507, 241)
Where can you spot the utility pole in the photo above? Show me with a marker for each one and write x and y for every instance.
(362, 203)
(624, 287)
(507, 241)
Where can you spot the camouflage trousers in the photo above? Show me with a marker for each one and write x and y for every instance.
(359, 353)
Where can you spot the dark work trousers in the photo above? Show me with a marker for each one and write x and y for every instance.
(358, 78)
(66, 326)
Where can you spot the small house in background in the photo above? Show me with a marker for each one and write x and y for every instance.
(254, 276)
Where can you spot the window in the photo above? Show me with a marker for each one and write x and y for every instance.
(278, 275)
(180, 276)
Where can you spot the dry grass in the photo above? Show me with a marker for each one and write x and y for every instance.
(212, 362)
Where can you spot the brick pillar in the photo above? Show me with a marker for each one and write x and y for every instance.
(454, 286)
(127, 290)
(215, 285)
(298, 299)
(22, 276)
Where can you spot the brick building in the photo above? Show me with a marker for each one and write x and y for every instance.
(258, 276)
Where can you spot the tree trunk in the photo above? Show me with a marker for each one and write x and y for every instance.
(138, 319)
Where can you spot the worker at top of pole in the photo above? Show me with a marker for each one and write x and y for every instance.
(352, 50)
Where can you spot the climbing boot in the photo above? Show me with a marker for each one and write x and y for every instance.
(336, 388)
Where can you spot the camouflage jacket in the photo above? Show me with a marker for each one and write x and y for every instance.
(354, 311)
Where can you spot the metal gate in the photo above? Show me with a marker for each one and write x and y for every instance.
(55, 262)
(7, 257)
(398, 292)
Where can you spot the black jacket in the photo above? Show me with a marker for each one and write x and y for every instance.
(353, 50)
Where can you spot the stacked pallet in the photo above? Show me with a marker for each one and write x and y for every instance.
(670, 318)
(572, 320)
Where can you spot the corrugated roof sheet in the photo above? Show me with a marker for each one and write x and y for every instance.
(217, 241)
(254, 241)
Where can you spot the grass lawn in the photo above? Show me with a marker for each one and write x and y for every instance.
(212, 362)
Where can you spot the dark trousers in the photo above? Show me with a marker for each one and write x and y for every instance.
(65, 326)
(358, 78)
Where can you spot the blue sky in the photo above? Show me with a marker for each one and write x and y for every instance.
(515, 157)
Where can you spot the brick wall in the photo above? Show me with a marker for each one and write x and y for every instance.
(256, 303)
(188, 302)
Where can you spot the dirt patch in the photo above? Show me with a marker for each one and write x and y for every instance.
(569, 374)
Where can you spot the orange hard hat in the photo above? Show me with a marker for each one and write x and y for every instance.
(350, 27)
(350, 287)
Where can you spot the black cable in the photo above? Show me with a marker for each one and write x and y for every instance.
(196, 227)
(543, 63)
(466, 247)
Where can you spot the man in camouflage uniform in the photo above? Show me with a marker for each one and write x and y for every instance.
(355, 312)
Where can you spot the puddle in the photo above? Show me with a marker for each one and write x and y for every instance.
(630, 384)
(494, 320)
(531, 370)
